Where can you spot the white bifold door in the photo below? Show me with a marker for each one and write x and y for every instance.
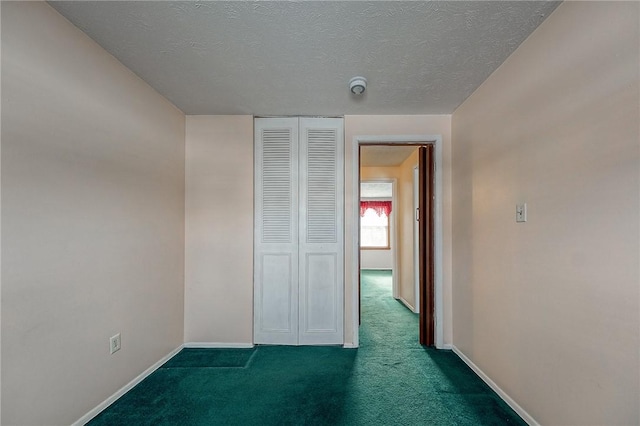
(299, 231)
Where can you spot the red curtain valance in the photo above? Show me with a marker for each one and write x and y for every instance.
(379, 206)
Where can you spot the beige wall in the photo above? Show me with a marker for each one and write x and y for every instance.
(219, 229)
(406, 232)
(92, 219)
(378, 125)
(219, 157)
(549, 309)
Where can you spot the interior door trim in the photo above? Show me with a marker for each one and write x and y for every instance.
(436, 141)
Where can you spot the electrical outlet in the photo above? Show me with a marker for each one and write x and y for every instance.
(115, 343)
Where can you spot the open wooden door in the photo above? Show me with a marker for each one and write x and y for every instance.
(426, 165)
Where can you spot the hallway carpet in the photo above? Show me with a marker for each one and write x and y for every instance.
(389, 380)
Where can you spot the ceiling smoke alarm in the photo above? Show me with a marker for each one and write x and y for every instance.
(358, 85)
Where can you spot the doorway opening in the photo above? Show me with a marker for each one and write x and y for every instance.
(417, 277)
(379, 226)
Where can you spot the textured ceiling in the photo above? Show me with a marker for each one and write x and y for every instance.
(384, 155)
(296, 58)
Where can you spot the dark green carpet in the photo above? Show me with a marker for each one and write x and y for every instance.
(211, 358)
(389, 380)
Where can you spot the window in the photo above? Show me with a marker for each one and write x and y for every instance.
(375, 210)
(374, 230)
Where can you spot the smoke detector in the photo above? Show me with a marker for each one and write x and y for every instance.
(358, 85)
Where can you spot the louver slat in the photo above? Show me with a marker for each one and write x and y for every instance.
(276, 185)
(321, 186)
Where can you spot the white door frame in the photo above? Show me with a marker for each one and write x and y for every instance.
(436, 141)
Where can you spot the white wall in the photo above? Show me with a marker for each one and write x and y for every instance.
(359, 125)
(219, 230)
(549, 309)
(92, 220)
(377, 259)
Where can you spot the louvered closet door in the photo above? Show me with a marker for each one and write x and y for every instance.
(276, 232)
(321, 235)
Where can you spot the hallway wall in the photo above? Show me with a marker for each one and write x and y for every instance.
(406, 232)
(549, 309)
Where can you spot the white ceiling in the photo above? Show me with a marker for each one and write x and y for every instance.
(296, 58)
(384, 155)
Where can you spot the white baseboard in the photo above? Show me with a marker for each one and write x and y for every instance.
(221, 345)
(506, 398)
(350, 346)
(126, 388)
(407, 304)
(447, 347)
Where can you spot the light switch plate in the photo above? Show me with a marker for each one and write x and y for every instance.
(521, 212)
(115, 343)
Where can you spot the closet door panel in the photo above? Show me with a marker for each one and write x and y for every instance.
(276, 232)
(277, 293)
(321, 295)
(321, 231)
